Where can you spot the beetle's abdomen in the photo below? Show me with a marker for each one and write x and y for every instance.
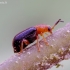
(28, 34)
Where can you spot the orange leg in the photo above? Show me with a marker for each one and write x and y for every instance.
(38, 46)
(44, 39)
(21, 47)
(46, 34)
(23, 41)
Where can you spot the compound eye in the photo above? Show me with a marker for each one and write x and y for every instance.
(49, 29)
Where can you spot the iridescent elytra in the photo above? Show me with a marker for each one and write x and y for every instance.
(25, 37)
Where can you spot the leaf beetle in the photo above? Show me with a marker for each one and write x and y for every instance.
(28, 36)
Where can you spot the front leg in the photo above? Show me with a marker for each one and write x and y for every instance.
(44, 39)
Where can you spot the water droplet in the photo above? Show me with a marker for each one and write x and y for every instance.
(28, 52)
(41, 45)
(52, 46)
(69, 49)
(38, 56)
(19, 58)
(53, 39)
(62, 49)
(68, 31)
(16, 61)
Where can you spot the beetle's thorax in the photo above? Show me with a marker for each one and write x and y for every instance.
(41, 28)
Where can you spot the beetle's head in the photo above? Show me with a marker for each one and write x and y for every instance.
(49, 29)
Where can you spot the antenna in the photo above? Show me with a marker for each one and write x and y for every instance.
(57, 23)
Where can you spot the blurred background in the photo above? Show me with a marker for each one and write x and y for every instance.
(17, 15)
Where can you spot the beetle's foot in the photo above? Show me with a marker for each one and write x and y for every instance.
(19, 53)
(47, 44)
(38, 47)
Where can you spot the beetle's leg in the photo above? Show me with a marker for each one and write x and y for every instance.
(38, 46)
(26, 41)
(46, 34)
(23, 41)
(21, 48)
(44, 39)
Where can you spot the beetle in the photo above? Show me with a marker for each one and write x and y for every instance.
(28, 36)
